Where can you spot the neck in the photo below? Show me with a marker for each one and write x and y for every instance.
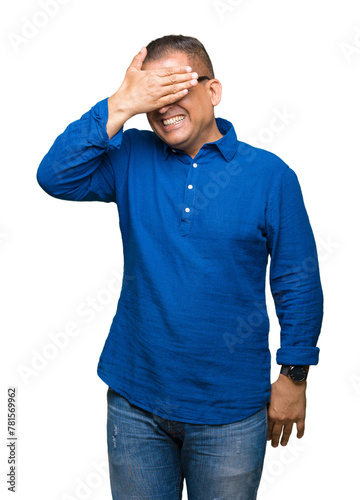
(213, 136)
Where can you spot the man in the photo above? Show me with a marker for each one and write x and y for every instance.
(187, 360)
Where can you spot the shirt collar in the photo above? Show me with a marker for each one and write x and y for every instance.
(227, 145)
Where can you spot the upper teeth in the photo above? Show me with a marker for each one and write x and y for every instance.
(176, 119)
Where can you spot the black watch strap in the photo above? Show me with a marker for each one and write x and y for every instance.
(298, 373)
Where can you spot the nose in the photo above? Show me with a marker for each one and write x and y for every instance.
(164, 109)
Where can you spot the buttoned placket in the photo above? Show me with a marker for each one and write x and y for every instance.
(187, 213)
(187, 207)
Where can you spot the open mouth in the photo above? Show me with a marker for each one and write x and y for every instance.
(173, 121)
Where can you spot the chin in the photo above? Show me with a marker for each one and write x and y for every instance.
(173, 140)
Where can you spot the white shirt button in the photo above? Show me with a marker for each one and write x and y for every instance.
(190, 186)
(187, 209)
(194, 165)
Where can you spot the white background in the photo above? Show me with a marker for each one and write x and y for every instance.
(301, 57)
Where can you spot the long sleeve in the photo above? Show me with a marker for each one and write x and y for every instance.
(77, 166)
(294, 272)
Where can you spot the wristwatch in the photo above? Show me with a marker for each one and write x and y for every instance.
(296, 373)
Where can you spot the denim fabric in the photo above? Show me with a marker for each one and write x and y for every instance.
(149, 456)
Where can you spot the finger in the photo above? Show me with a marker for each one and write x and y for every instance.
(276, 432)
(300, 428)
(178, 87)
(138, 60)
(172, 93)
(173, 70)
(270, 428)
(171, 98)
(286, 434)
(179, 78)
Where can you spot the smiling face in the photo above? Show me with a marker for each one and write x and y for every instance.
(190, 122)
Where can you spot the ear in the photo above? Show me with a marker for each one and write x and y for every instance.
(215, 89)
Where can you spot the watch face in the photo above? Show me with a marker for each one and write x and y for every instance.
(298, 373)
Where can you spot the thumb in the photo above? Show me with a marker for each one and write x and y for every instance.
(138, 60)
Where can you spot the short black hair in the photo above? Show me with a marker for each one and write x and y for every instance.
(189, 45)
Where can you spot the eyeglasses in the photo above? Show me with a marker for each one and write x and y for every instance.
(202, 78)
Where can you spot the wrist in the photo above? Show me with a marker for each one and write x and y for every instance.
(296, 373)
(288, 382)
(118, 114)
(119, 104)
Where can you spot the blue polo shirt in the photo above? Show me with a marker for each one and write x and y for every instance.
(189, 340)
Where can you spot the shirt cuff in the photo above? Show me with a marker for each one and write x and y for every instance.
(98, 135)
(299, 355)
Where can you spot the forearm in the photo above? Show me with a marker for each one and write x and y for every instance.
(299, 307)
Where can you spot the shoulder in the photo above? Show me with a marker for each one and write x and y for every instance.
(134, 136)
(136, 143)
(264, 167)
(261, 159)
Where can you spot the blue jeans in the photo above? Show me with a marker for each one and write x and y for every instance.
(150, 456)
